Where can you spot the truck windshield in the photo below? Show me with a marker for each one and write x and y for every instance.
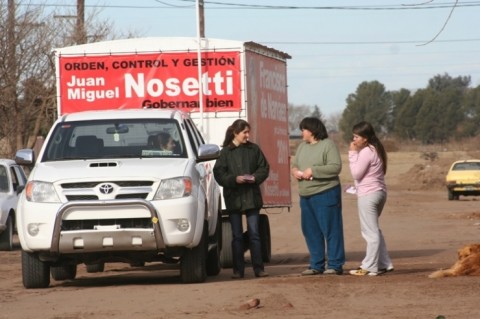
(131, 138)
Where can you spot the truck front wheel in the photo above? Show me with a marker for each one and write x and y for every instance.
(35, 273)
(64, 272)
(214, 249)
(450, 195)
(193, 261)
(6, 238)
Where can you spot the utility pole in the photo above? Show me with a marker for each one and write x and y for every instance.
(11, 99)
(11, 36)
(200, 35)
(81, 35)
(11, 53)
(201, 18)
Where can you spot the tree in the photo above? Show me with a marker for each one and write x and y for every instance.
(469, 127)
(440, 83)
(295, 114)
(406, 116)
(372, 103)
(332, 122)
(317, 113)
(399, 100)
(442, 108)
(27, 81)
(23, 54)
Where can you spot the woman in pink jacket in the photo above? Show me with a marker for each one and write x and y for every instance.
(368, 165)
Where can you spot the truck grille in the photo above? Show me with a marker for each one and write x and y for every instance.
(94, 197)
(143, 223)
(83, 191)
(119, 183)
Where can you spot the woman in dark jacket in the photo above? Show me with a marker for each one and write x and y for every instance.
(240, 170)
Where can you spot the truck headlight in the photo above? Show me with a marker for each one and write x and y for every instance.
(174, 188)
(41, 192)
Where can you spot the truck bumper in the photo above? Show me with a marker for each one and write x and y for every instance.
(107, 230)
(109, 237)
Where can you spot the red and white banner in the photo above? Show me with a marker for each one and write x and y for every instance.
(268, 116)
(153, 80)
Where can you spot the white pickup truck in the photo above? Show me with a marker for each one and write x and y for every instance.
(12, 182)
(102, 190)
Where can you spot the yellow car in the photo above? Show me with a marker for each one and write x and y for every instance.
(463, 178)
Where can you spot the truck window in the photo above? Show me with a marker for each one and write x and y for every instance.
(114, 138)
(193, 136)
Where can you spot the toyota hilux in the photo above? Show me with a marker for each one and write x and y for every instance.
(103, 190)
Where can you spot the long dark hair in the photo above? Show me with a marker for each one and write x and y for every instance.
(236, 127)
(314, 125)
(365, 130)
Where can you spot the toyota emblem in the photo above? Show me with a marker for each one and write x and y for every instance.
(106, 188)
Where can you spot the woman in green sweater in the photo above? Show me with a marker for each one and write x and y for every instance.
(316, 166)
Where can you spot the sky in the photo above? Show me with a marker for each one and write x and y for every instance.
(335, 45)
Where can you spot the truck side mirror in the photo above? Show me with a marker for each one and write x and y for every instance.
(25, 157)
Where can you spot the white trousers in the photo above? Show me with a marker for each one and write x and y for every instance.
(370, 208)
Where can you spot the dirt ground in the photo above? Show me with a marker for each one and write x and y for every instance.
(422, 228)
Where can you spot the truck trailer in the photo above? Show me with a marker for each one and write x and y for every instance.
(211, 82)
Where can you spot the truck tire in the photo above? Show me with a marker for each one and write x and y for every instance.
(226, 255)
(265, 239)
(64, 272)
(92, 268)
(35, 273)
(450, 195)
(137, 264)
(215, 245)
(6, 237)
(193, 263)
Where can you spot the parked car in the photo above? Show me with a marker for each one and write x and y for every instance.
(12, 182)
(463, 178)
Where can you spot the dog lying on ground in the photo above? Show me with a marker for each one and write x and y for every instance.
(468, 263)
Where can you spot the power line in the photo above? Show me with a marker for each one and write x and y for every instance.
(357, 7)
(360, 42)
(231, 6)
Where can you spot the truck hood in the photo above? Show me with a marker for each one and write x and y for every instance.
(111, 169)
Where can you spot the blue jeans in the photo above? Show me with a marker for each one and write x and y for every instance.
(322, 224)
(253, 217)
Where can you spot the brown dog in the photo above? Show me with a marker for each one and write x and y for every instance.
(468, 263)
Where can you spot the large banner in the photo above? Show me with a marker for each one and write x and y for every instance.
(156, 80)
(268, 116)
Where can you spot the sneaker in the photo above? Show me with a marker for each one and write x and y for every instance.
(311, 272)
(362, 272)
(385, 270)
(261, 273)
(333, 272)
(237, 276)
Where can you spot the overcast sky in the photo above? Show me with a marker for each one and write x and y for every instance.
(335, 45)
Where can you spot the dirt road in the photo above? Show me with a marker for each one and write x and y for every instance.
(422, 228)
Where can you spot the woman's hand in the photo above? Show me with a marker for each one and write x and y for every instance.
(242, 179)
(308, 174)
(298, 174)
(354, 147)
